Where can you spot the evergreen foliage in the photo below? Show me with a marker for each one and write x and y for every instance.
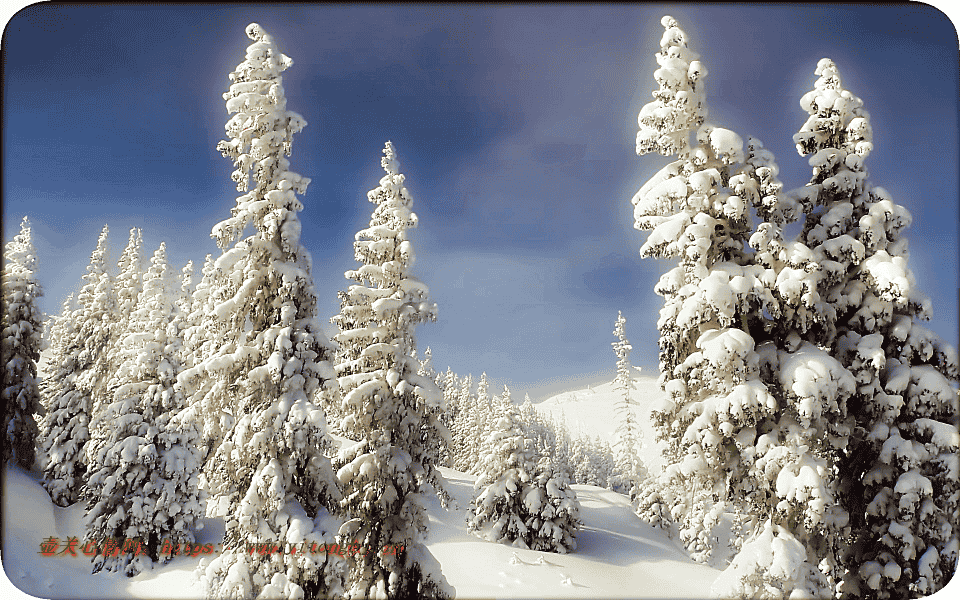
(77, 381)
(267, 473)
(392, 412)
(143, 478)
(21, 331)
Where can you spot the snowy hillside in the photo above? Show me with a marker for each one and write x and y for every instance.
(591, 411)
(617, 555)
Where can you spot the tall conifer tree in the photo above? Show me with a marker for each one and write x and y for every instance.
(268, 475)
(20, 337)
(391, 411)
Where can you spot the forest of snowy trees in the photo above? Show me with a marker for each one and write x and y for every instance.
(806, 401)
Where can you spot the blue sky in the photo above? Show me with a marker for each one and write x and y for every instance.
(515, 127)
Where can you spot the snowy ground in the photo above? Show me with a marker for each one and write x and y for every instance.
(617, 555)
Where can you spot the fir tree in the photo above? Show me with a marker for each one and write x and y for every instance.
(698, 210)
(77, 381)
(391, 412)
(629, 468)
(267, 473)
(127, 286)
(20, 349)
(521, 500)
(143, 478)
(894, 474)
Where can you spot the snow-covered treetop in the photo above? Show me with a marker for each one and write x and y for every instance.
(679, 106)
(261, 133)
(19, 253)
(383, 246)
(837, 120)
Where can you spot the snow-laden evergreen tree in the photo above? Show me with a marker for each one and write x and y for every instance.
(127, 286)
(522, 500)
(483, 420)
(449, 385)
(77, 380)
(898, 475)
(426, 365)
(267, 474)
(21, 331)
(468, 429)
(392, 412)
(184, 301)
(142, 479)
(202, 333)
(629, 468)
(129, 282)
(698, 211)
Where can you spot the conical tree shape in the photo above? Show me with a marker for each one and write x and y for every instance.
(698, 209)
(143, 481)
(20, 349)
(77, 381)
(267, 474)
(895, 483)
(392, 412)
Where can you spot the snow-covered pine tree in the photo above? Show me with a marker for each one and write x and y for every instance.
(483, 419)
(629, 468)
(467, 428)
(553, 507)
(498, 511)
(127, 286)
(898, 481)
(392, 412)
(449, 385)
(142, 479)
(77, 381)
(202, 332)
(268, 476)
(21, 331)
(426, 365)
(698, 210)
(184, 302)
(522, 499)
(129, 282)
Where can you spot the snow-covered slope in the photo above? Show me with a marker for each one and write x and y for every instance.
(617, 555)
(591, 411)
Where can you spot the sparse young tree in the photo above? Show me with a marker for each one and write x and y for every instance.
(77, 380)
(267, 475)
(392, 412)
(142, 479)
(629, 468)
(21, 331)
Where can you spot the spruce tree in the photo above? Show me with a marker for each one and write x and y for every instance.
(267, 473)
(521, 499)
(127, 286)
(77, 381)
(698, 211)
(21, 330)
(142, 479)
(895, 482)
(629, 468)
(391, 412)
